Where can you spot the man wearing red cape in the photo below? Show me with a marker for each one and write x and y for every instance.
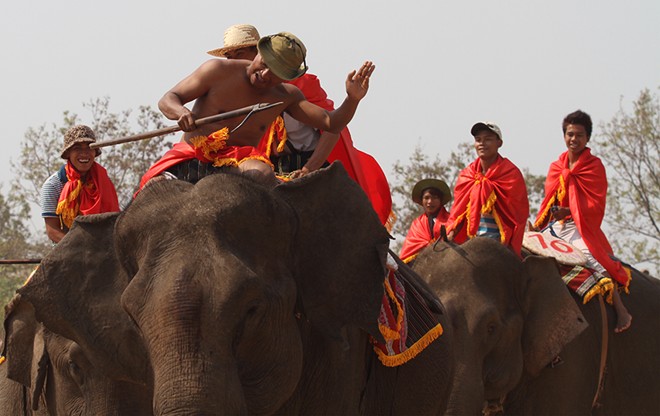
(575, 198)
(296, 149)
(360, 166)
(81, 187)
(490, 197)
(432, 195)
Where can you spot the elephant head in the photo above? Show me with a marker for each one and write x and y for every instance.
(56, 373)
(217, 280)
(508, 316)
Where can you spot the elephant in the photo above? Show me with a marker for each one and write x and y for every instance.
(630, 381)
(47, 374)
(229, 297)
(509, 316)
(527, 345)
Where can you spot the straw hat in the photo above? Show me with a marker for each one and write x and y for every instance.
(424, 184)
(237, 37)
(78, 134)
(284, 54)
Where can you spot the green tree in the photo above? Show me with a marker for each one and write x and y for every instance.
(13, 244)
(420, 165)
(628, 145)
(125, 163)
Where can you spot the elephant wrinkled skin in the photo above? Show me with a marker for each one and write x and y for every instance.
(507, 315)
(512, 318)
(47, 374)
(227, 297)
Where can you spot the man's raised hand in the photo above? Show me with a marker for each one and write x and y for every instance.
(357, 82)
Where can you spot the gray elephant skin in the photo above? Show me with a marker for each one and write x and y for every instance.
(47, 374)
(227, 297)
(512, 318)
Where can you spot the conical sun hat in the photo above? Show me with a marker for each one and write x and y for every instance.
(237, 37)
(284, 54)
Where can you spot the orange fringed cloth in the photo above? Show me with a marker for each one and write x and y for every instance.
(405, 322)
(210, 149)
(360, 166)
(419, 235)
(584, 190)
(95, 195)
(501, 191)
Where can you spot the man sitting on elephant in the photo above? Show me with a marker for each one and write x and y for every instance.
(432, 195)
(490, 197)
(307, 149)
(574, 206)
(220, 85)
(81, 186)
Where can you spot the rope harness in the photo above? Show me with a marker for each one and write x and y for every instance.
(603, 353)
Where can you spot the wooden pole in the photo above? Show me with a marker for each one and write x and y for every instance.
(20, 261)
(202, 121)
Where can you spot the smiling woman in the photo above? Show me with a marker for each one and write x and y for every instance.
(81, 186)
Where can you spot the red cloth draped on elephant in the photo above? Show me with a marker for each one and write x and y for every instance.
(584, 190)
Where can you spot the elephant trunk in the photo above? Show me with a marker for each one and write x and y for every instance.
(467, 392)
(196, 386)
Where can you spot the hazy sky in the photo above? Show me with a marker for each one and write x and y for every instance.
(441, 66)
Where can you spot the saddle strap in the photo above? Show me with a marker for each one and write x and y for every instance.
(603, 351)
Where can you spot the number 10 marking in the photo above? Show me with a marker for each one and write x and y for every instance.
(556, 245)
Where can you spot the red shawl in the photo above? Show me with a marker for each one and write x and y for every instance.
(501, 191)
(360, 166)
(96, 195)
(584, 190)
(419, 235)
(211, 148)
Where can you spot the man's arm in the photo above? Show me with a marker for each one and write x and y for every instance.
(53, 229)
(195, 85)
(326, 143)
(357, 85)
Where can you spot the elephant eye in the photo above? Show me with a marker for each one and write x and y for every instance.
(76, 373)
(491, 327)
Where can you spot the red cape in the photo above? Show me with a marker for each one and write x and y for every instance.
(501, 191)
(584, 190)
(95, 196)
(419, 235)
(360, 166)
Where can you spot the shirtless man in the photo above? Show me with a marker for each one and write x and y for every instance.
(220, 85)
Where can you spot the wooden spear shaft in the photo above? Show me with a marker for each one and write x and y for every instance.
(200, 122)
(20, 261)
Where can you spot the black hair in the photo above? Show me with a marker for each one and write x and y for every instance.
(578, 117)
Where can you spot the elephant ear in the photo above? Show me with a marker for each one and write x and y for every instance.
(76, 293)
(25, 349)
(552, 318)
(20, 330)
(339, 249)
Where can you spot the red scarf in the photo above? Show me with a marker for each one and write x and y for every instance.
(96, 195)
(501, 192)
(360, 166)
(419, 236)
(584, 190)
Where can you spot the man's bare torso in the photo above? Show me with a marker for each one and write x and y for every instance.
(232, 90)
